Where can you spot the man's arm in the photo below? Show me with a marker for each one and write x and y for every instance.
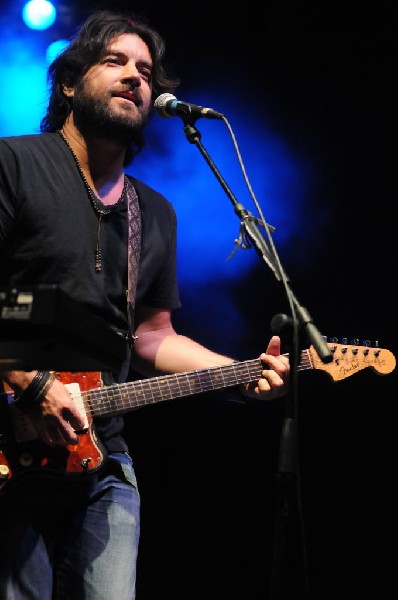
(160, 349)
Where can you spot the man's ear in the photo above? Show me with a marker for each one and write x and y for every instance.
(68, 91)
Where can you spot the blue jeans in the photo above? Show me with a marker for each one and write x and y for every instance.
(76, 540)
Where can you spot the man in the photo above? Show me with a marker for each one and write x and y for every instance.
(70, 216)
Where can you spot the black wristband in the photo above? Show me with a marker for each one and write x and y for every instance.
(36, 390)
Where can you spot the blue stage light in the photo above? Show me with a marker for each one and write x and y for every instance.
(39, 14)
(54, 49)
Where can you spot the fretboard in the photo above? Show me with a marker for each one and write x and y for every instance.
(120, 398)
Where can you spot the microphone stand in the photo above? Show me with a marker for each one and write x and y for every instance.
(299, 326)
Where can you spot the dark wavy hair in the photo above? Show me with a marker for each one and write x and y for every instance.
(86, 48)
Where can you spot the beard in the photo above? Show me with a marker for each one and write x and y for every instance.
(92, 115)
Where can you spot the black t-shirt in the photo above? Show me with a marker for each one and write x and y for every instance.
(48, 235)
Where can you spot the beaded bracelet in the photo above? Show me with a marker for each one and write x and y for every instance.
(36, 390)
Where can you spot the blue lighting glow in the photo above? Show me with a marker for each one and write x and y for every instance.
(54, 49)
(209, 227)
(23, 69)
(39, 14)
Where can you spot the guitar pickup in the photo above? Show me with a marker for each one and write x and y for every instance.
(74, 390)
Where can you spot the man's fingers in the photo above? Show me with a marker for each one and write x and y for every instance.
(274, 346)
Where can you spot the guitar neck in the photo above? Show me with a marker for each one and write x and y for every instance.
(121, 398)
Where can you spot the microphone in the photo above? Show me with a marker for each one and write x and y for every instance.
(167, 105)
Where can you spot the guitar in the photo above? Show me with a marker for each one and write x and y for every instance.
(21, 453)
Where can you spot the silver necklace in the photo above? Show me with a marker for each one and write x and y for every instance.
(100, 210)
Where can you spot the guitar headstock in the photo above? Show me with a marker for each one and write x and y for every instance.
(348, 359)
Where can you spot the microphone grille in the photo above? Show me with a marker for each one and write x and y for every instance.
(161, 103)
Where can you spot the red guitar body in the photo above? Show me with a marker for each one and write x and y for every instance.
(21, 453)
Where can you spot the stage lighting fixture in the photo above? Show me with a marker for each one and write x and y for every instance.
(39, 14)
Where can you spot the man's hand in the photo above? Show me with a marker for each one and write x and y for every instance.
(56, 417)
(274, 377)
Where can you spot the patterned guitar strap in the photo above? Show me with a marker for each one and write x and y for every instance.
(133, 253)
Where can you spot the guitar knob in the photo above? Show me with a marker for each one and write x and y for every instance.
(4, 471)
(85, 463)
(26, 460)
(355, 342)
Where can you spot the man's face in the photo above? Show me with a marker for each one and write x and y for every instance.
(114, 97)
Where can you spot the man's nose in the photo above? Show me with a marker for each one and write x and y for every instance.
(131, 72)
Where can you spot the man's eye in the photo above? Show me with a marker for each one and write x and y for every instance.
(146, 74)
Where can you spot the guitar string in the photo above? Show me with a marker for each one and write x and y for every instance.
(104, 397)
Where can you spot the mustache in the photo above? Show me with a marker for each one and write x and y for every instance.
(131, 93)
